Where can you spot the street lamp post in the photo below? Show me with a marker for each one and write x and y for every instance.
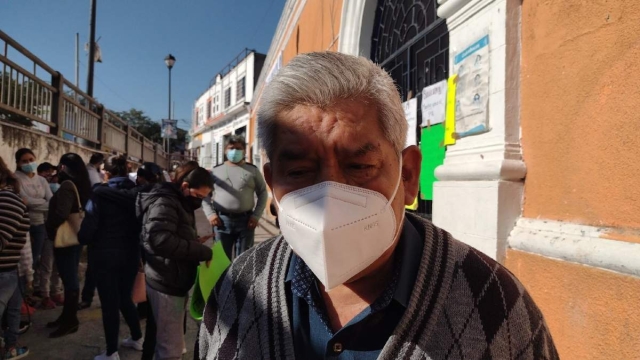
(169, 61)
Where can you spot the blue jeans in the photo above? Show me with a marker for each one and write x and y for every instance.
(10, 300)
(235, 234)
(38, 235)
(67, 261)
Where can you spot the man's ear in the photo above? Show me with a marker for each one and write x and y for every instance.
(411, 162)
(268, 175)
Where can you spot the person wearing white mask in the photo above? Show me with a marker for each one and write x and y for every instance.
(353, 276)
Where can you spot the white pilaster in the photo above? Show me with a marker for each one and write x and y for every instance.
(478, 196)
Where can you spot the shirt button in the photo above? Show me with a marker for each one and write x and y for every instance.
(337, 347)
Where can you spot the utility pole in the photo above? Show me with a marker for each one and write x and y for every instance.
(77, 63)
(92, 48)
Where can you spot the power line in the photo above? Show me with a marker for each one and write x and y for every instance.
(255, 32)
(110, 89)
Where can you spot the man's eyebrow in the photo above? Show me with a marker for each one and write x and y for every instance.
(366, 149)
(292, 154)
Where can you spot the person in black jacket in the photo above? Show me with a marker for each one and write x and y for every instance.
(173, 252)
(74, 183)
(111, 230)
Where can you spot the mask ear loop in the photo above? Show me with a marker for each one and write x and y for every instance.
(395, 192)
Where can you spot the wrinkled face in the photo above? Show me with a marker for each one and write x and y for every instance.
(344, 144)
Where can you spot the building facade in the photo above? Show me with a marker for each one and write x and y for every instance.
(223, 109)
(550, 186)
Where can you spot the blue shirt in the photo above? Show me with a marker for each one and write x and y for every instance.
(367, 333)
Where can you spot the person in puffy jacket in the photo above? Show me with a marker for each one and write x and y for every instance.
(111, 230)
(173, 252)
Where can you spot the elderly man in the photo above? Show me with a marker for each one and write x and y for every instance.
(353, 276)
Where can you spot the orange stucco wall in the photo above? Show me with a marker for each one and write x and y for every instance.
(592, 313)
(316, 30)
(580, 111)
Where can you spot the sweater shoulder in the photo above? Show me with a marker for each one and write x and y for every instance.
(254, 260)
(486, 300)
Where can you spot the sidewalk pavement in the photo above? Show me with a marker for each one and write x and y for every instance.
(89, 340)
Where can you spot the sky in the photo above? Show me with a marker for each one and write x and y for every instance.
(136, 36)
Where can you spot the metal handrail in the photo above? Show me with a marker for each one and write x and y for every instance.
(54, 101)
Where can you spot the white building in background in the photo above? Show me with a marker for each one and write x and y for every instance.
(223, 109)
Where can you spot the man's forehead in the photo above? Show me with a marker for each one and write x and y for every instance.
(301, 149)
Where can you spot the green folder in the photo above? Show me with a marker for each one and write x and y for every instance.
(432, 151)
(206, 280)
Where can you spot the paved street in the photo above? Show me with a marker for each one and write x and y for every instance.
(89, 340)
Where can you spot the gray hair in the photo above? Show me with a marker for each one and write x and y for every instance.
(322, 78)
(236, 139)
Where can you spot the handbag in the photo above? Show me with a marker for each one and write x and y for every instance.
(139, 293)
(67, 234)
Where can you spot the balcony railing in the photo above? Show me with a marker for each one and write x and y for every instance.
(39, 93)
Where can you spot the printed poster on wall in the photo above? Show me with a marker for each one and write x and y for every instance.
(411, 114)
(434, 99)
(472, 66)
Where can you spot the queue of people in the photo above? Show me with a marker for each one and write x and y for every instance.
(130, 225)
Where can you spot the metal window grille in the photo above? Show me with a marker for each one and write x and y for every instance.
(412, 44)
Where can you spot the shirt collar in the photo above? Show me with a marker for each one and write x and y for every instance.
(408, 255)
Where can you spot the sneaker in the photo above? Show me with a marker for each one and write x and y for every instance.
(25, 309)
(47, 304)
(134, 344)
(58, 299)
(16, 352)
(104, 356)
(24, 326)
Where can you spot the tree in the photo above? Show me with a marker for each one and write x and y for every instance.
(149, 128)
(13, 92)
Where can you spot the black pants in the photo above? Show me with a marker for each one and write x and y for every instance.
(115, 273)
(89, 288)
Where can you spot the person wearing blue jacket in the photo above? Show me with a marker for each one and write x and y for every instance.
(111, 230)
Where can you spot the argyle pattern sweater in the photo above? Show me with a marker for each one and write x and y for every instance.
(464, 306)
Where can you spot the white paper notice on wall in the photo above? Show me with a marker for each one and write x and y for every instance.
(411, 114)
(434, 103)
(472, 93)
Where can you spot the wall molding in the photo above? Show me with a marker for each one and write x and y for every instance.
(507, 170)
(581, 244)
(458, 12)
(356, 27)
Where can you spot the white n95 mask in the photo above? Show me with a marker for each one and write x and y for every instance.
(337, 229)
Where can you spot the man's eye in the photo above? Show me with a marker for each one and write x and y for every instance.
(298, 173)
(361, 167)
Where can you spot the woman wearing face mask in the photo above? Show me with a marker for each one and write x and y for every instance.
(35, 190)
(111, 230)
(173, 251)
(50, 288)
(74, 184)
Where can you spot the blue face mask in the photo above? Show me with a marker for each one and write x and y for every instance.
(54, 187)
(235, 155)
(30, 167)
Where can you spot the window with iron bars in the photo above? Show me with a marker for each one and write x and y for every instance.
(240, 89)
(227, 97)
